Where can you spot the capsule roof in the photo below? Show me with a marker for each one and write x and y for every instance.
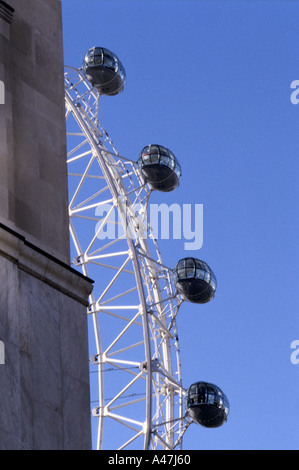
(207, 405)
(195, 280)
(160, 168)
(104, 71)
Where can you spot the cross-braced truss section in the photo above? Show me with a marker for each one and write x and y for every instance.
(136, 383)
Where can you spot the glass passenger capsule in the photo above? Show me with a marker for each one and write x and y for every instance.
(104, 71)
(195, 280)
(160, 168)
(207, 405)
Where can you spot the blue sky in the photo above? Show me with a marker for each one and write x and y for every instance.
(211, 80)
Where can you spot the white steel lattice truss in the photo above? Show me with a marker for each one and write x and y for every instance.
(135, 354)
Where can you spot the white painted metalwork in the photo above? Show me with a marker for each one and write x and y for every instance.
(135, 352)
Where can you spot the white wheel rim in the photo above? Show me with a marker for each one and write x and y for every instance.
(133, 305)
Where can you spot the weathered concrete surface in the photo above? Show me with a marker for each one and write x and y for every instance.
(33, 174)
(44, 383)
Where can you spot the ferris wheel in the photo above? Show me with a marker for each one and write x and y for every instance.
(138, 398)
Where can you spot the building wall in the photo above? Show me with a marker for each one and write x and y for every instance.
(44, 383)
(33, 174)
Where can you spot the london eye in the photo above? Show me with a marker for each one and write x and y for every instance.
(138, 398)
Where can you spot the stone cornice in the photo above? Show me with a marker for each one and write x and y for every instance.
(44, 266)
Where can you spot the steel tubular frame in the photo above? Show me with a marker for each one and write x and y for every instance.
(134, 305)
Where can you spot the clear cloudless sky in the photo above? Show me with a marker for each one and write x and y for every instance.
(211, 80)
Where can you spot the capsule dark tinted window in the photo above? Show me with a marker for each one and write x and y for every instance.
(195, 280)
(160, 168)
(104, 71)
(207, 405)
